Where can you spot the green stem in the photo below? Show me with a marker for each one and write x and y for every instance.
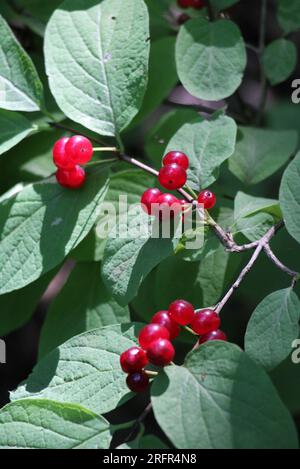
(190, 330)
(113, 149)
(191, 191)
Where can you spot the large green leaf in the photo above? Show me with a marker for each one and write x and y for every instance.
(128, 258)
(208, 144)
(44, 424)
(289, 197)
(17, 307)
(289, 15)
(14, 128)
(261, 152)
(96, 59)
(282, 377)
(279, 60)
(272, 328)
(85, 370)
(83, 304)
(221, 399)
(246, 205)
(161, 133)
(210, 58)
(20, 86)
(41, 224)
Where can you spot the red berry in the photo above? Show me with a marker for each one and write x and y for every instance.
(208, 199)
(168, 206)
(197, 4)
(184, 3)
(176, 157)
(137, 382)
(172, 176)
(79, 149)
(134, 359)
(214, 335)
(205, 321)
(152, 332)
(149, 197)
(72, 179)
(182, 312)
(60, 157)
(160, 352)
(163, 318)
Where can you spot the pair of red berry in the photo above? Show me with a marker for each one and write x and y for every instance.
(155, 202)
(173, 175)
(68, 155)
(155, 340)
(197, 4)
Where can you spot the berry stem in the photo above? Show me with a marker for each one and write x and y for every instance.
(151, 373)
(113, 149)
(191, 191)
(295, 275)
(190, 330)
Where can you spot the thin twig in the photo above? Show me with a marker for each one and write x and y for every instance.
(259, 248)
(279, 264)
(137, 423)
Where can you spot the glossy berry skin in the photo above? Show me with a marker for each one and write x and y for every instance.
(205, 321)
(176, 157)
(152, 332)
(60, 156)
(160, 352)
(149, 197)
(163, 318)
(197, 4)
(133, 359)
(184, 3)
(79, 149)
(172, 176)
(214, 335)
(208, 199)
(182, 312)
(137, 382)
(72, 178)
(168, 206)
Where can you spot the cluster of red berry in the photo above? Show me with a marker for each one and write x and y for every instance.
(197, 4)
(155, 340)
(172, 176)
(68, 155)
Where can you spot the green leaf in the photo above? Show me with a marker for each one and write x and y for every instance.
(259, 153)
(85, 370)
(163, 131)
(272, 328)
(161, 80)
(221, 399)
(255, 226)
(208, 144)
(96, 59)
(246, 205)
(83, 304)
(17, 307)
(20, 86)
(44, 424)
(289, 15)
(14, 128)
(279, 60)
(42, 224)
(129, 259)
(210, 58)
(289, 197)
